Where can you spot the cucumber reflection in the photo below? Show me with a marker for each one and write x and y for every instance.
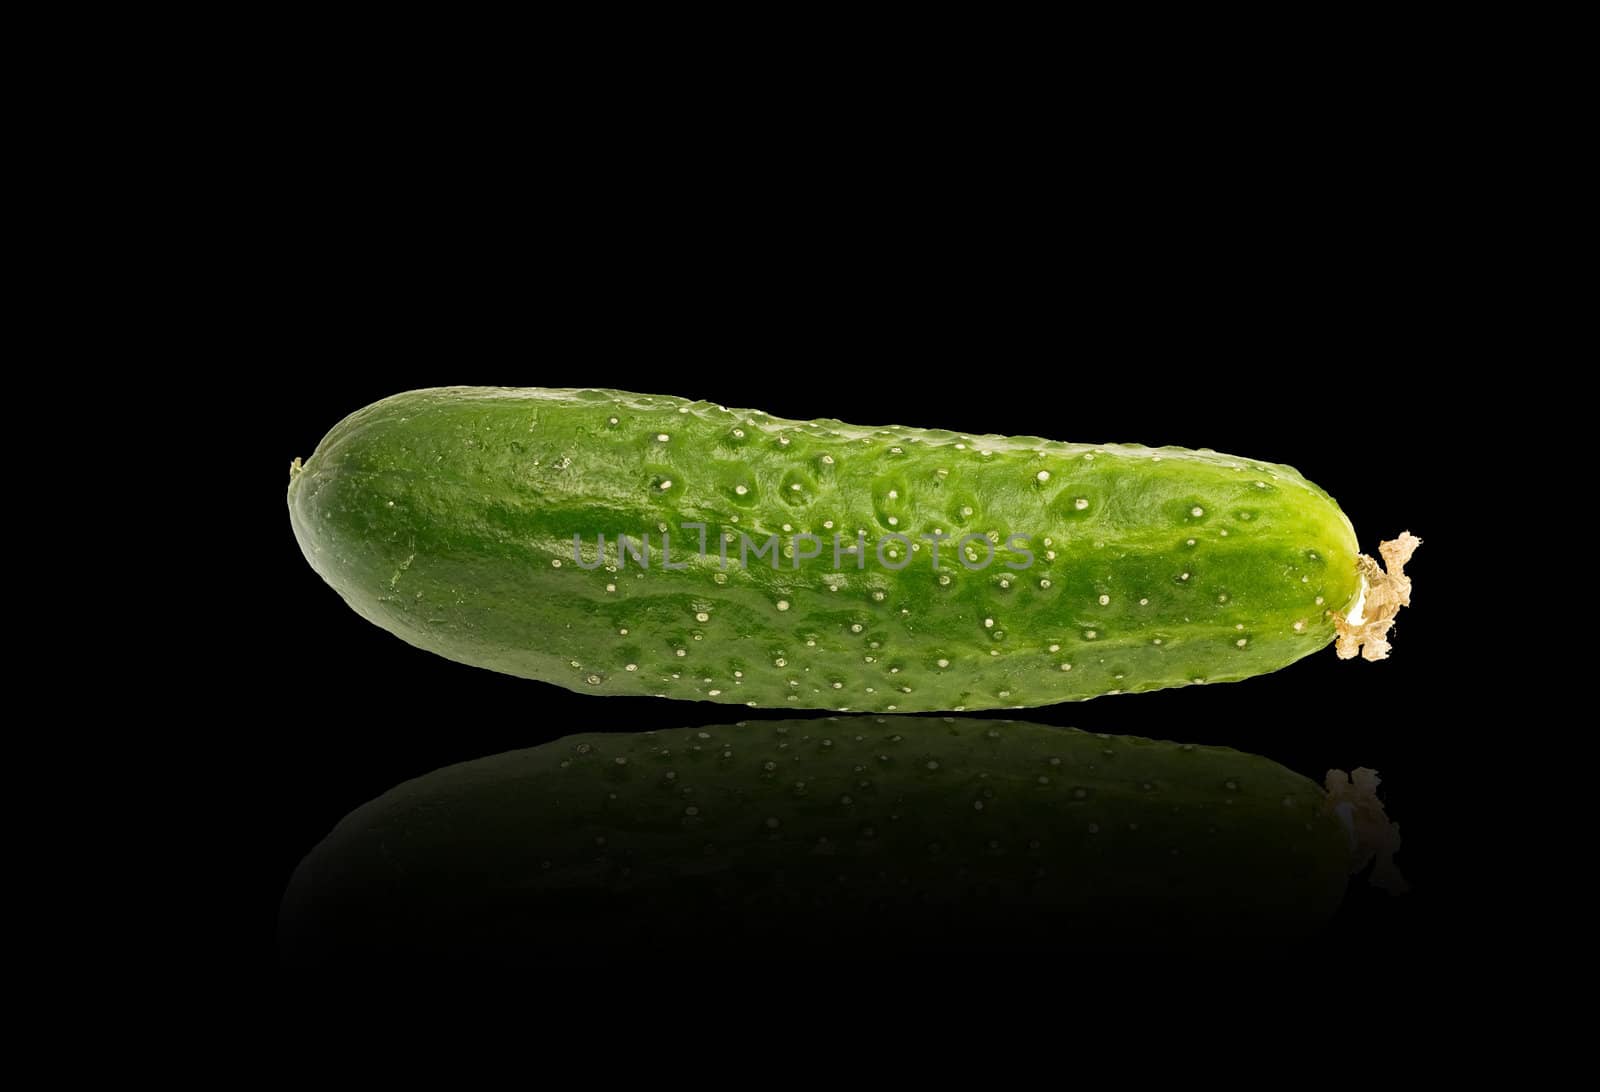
(866, 834)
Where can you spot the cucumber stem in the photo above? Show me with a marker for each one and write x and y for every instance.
(1384, 590)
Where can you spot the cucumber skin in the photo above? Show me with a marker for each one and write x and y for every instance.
(440, 515)
(834, 832)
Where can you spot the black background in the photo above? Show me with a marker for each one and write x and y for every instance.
(1339, 264)
(354, 711)
(1312, 282)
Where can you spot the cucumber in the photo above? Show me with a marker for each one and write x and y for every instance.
(875, 833)
(467, 522)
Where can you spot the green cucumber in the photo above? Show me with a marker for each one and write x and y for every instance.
(878, 832)
(465, 521)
